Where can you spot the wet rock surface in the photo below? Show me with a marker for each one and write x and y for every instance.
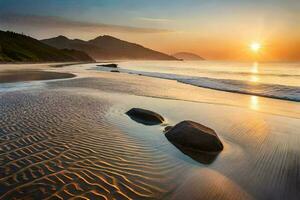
(145, 117)
(194, 136)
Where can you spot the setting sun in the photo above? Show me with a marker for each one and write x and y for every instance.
(255, 46)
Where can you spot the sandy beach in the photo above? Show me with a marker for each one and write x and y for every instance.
(71, 139)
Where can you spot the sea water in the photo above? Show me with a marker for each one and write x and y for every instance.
(279, 80)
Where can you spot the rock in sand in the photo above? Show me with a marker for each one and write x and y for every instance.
(193, 136)
(145, 117)
(108, 65)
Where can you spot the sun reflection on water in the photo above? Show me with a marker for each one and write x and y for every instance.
(254, 103)
(254, 79)
(254, 70)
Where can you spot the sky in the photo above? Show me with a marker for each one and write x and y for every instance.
(214, 29)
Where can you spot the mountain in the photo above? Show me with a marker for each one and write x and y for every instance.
(187, 56)
(16, 47)
(108, 48)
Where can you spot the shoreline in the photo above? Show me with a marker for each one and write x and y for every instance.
(264, 104)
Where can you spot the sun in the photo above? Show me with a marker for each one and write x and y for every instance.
(255, 46)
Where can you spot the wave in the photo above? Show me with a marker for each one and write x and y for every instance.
(250, 73)
(277, 91)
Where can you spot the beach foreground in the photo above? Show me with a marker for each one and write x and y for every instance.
(71, 138)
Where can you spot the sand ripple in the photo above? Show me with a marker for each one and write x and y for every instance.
(58, 146)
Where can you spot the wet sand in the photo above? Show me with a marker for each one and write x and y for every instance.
(72, 139)
(12, 76)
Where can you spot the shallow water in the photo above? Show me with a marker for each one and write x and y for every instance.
(261, 159)
(13, 76)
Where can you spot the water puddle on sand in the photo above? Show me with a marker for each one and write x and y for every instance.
(12, 76)
(15, 80)
(191, 167)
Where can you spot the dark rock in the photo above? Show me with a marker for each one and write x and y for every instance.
(192, 136)
(145, 117)
(115, 71)
(108, 65)
(199, 156)
(167, 128)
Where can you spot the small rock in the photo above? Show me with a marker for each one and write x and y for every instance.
(167, 128)
(108, 65)
(145, 117)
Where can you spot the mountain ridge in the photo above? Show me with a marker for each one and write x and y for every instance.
(107, 47)
(187, 56)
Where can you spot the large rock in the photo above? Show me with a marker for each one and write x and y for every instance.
(193, 136)
(108, 65)
(146, 117)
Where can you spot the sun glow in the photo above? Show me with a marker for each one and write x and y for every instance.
(255, 46)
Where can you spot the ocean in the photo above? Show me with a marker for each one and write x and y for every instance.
(273, 80)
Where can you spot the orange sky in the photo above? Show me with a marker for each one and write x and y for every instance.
(216, 29)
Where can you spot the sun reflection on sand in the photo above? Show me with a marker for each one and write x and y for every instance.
(254, 103)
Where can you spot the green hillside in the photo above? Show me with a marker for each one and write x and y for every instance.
(16, 47)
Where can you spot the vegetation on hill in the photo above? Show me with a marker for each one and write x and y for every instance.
(16, 47)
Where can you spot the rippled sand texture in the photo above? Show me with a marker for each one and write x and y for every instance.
(55, 145)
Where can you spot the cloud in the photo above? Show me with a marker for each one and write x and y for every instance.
(155, 20)
(51, 22)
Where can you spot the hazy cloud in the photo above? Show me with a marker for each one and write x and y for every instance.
(156, 20)
(48, 22)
